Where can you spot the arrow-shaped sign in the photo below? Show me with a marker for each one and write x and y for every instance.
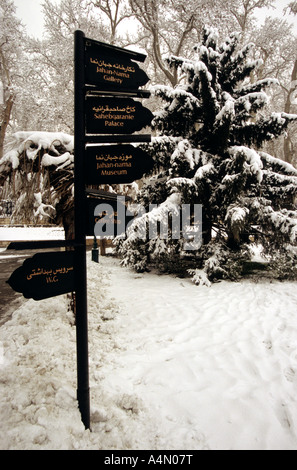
(107, 216)
(112, 71)
(44, 275)
(116, 116)
(116, 164)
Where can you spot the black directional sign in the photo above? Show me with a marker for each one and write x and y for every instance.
(106, 217)
(44, 275)
(106, 78)
(116, 164)
(109, 68)
(116, 116)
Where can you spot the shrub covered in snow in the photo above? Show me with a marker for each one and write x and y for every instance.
(36, 171)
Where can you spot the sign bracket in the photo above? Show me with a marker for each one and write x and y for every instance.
(120, 139)
(42, 244)
(95, 91)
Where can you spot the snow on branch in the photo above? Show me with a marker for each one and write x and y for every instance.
(252, 101)
(164, 141)
(203, 171)
(211, 36)
(265, 129)
(277, 164)
(201, 68)
(229, 46)
(228, 110)
(182, 184)
(176, 96)
(158, 213)
(41, 207)
(199, 277)
(277, 124)
(252, 160)
(176, 61)
(31, 143)
(278, 179)
(283, 221)
(236, 218)
(61, 161)
(256, 87)
(184, 153)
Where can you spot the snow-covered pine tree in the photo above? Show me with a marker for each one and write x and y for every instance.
(212, 129)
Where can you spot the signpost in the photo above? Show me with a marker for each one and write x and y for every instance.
(80, 266)
(116, 164)
(116, 116)
(106, 78)
(102, 72)
(108, 214)
(107, 217)
(44, 275)
(110, 70)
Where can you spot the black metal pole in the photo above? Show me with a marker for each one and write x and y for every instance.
(95, 251)
(83, 392)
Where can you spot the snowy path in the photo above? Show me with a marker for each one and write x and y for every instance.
(217, 366)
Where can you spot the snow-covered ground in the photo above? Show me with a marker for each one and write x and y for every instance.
(172, 366)
(31, 233)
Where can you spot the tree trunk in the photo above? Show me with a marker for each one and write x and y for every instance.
(68, 224)
(206, 228)
(5, 122)
(288, 154)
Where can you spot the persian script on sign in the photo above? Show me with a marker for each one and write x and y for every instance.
(116, 116)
